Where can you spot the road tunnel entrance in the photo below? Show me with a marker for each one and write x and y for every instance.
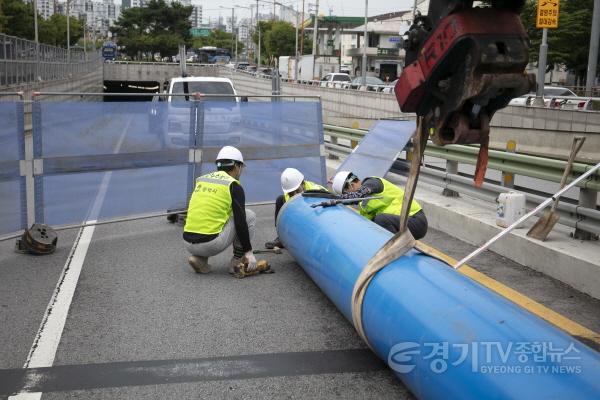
(134, 87)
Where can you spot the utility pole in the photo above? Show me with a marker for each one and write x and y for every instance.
(233, 37)
(593, 56)
(68, 36)
(541, 77)
(302, 31)
(315, 38)
(258, 29)
(364, 55)
(37, 42)
(296, 48)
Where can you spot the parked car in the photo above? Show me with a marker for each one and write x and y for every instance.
(373, 83)
(265, 71)
(554, 97)
(241, 65)
(389, 87)
(335, 80)
(222, 116)
(345, 69)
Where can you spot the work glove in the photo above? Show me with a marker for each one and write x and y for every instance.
(251, 261)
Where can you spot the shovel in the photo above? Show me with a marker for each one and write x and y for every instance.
(544, 225)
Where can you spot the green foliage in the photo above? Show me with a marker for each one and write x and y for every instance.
(218, 38)
(569, 44)
(156, 28)
(278, 38)
(54, 30)
(16, 19)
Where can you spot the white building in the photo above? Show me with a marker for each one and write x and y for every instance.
(196, 17)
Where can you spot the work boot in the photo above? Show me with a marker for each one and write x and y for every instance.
(274, 243)
(199, 264)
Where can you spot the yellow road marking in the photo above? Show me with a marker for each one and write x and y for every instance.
(556, 319)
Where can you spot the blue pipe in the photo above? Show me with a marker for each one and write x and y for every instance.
(417, 305)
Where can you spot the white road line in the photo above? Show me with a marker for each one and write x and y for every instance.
(45, 345)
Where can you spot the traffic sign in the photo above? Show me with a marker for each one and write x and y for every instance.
(547, 14)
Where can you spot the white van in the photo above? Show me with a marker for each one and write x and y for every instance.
(222, 117)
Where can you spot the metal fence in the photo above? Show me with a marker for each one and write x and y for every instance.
(24, 61)
(584, 217)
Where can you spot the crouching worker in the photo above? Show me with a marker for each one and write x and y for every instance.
(217, 216)
(292, 183)
(385, 212)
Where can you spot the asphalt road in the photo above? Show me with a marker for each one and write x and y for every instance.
(139, 311)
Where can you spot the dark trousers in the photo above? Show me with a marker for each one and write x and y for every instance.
(417, 224)
(278, 204)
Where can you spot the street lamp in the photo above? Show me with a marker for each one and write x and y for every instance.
(233, 35)
(68, 34)
(247, 33)
(37, 43)
(364, 55)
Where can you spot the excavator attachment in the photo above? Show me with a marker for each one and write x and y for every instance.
(464, 64)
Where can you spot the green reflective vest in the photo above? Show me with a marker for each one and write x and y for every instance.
(307, 185)
(390, 203)
(210, 205)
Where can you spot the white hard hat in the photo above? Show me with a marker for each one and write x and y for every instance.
(230, 153)
(291, 179)
(339, 180)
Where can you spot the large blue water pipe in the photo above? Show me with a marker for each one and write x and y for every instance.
(444, 335)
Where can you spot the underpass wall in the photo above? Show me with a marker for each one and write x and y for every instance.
(152, 72)
(358, 109)
(547, 132)
(91, 82)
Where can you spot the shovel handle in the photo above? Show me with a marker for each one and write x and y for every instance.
(575, 147)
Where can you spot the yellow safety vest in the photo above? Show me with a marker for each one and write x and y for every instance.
(210, 205)
(390, 203)
(307, 185)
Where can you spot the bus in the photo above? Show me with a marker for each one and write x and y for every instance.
(213, 55)
(109, 51)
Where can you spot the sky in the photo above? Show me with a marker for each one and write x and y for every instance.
(338, 7)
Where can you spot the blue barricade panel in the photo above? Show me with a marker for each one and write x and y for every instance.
(112, 160)
(109, 160)
(379, 148)
(272, 136)
(12, 195)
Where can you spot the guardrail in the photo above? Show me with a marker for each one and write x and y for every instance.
(322, 84)
(585, 219)
(25, 61)
(561, 102)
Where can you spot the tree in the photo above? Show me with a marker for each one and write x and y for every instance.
(17, 19)
(219, 38)
(568, 44)
(156, 28)
(279, 39)
(53, 31)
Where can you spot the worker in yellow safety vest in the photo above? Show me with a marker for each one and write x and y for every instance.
(217, 216)
(385, 211)
(292, 183)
